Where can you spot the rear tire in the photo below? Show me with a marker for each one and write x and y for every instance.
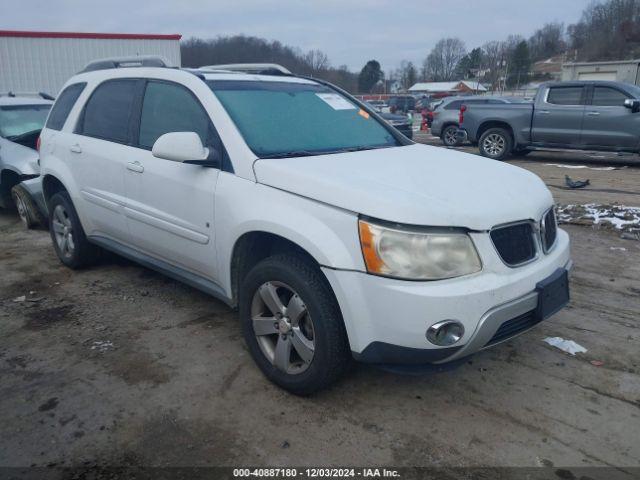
(28, 211)
(495, 143)
(450, 136)
(69, 240)
(292, 283)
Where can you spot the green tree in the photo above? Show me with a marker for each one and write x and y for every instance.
(370, 74)
(519, 64)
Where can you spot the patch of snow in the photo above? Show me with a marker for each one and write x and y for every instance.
(102, 346)
(568, 346)
(619, 217)
(561, 165)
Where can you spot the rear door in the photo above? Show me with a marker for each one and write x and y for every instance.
(607, 122)
(98, 152)
(557, 118)
(170, 205)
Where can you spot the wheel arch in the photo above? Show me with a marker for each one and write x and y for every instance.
(495, 124)
(50, 186)
(256, 245)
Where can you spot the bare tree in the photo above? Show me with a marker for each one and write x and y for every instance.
(494, 62)
(407, 74)
(547, 41)
(443, 59)
(316, 60)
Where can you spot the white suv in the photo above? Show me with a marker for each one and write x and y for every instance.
(334, 235)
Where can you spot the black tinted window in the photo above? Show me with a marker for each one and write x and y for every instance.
(608, 97)
(565, 95)
(107, 112)
(65, 102)
(171, 108)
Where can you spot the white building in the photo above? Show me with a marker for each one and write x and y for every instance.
(44, 61)
(627, 71)
(448, 88)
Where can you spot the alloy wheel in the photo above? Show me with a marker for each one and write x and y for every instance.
(63, 230)
(494, 144)
(450, 136)
(283, 327)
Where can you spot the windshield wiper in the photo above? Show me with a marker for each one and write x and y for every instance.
(294, 153)
(310, 153)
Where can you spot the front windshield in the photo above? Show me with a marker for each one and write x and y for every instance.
(279, 119)
(16, 120)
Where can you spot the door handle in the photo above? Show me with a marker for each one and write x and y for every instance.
(593, 114)
(544, 112)
(75, 148)
(135, 167)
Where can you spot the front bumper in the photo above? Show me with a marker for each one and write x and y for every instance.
(386, 319)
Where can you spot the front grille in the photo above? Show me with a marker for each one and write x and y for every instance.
(514, 243)
(549, 230)
(514, 326)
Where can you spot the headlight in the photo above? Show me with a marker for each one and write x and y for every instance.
(412, 254)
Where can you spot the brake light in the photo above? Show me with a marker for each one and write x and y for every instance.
(463, 108)
(38, 143)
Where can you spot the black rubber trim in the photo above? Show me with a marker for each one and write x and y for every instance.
(388, 354)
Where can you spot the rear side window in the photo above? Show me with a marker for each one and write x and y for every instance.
(65, 102)
(453, 105)
(107, 113)
(608, 97)
(171, 108)
(565, 95)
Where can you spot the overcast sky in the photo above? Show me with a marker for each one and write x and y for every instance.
(349, 31)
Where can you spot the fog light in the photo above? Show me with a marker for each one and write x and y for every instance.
(445, 333)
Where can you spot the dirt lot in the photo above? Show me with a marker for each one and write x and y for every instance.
(119, 365)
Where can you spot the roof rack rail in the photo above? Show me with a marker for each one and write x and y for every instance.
(124, 62)
(255, 68)
(12, 94)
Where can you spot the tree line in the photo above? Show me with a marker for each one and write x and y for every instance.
(609, 30)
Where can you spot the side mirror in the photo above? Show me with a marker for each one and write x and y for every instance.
(180, 147)
(633, 104)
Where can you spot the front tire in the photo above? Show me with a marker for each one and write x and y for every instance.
(450, 136)
(69, 240)
(27, 209)
(496, 143)
(292, 324)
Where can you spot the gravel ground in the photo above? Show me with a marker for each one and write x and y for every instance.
(118, 365)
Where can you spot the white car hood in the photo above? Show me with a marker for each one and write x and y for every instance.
(415, 184)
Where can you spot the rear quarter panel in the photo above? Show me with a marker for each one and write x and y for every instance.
(516, 115)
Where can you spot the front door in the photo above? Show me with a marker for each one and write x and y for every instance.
(608, 123)
(170, 205)
(557, 119)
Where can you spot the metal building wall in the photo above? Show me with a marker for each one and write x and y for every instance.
(45, 64)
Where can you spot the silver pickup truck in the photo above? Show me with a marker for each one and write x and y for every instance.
(588, 115)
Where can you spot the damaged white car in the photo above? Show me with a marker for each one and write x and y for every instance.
(21, 120)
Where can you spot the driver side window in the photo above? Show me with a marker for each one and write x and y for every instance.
(167, 108)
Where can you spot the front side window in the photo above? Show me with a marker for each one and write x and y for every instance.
(279, 119)
(565, 95)
(107, 113)
(21, 120)
(608, 97)
(171, 108)
(65, 102)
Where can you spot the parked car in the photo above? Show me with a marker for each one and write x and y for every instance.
(587, 115)
(377, 104)
(403, 123)
(334, 235)
(402, 103)
(446, 115)
(21, 119)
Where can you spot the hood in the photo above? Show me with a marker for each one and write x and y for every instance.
(16, 157)
(415, 184)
